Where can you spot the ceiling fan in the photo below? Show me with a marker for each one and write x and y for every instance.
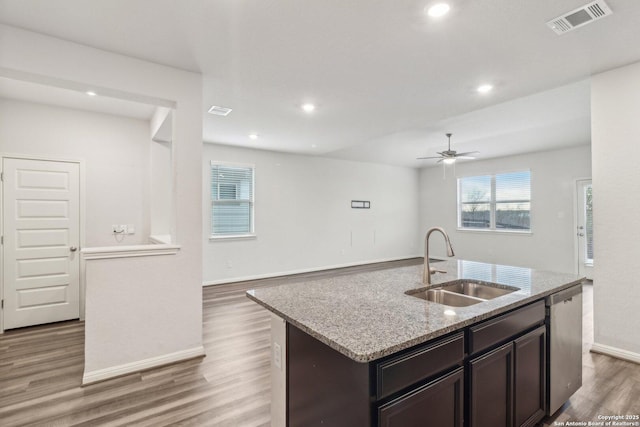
(449, 156)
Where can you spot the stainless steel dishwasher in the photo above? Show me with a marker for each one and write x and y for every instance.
(564, 346)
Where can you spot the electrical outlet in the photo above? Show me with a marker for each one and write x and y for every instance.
(118, 229)
(277, 355)
(130, 229)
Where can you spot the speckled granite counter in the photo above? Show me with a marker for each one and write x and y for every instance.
(367, 316)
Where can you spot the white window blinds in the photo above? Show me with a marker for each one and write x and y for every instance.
(232, 200)
(495, 202)
(513, 201)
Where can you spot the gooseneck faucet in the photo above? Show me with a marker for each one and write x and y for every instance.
(428, 270)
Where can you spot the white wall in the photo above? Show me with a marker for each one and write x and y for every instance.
(615, 128)
(303, 215)
(550, 246)
(168, 320)
(115, 151)
(161, 189)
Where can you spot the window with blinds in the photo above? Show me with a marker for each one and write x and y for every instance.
(232, 199)
(495, 202)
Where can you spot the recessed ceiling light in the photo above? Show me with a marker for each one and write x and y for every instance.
(253, 136)
(91, 93)
(438, 10)
(485, 88)
(219, 111)
(308, 108)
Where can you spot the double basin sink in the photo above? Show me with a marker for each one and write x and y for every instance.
(462, 292)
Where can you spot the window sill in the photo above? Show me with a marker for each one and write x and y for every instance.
(505, 232)
(233, 237)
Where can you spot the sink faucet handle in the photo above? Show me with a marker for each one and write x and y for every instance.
(433, 270)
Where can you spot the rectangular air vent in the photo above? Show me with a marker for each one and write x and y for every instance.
(579, 17)
(219, 111)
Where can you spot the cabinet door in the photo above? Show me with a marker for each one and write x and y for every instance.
(438, 403)
(491, 388)
(529, 397)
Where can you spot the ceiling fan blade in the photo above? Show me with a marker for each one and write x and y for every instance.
(465, 157)
(467, 153)
(428, 158)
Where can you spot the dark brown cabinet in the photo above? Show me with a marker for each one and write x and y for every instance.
(418, 387)
(489, 374)
(530, 377)
(491, 388)
(438, 403)
(507, 385)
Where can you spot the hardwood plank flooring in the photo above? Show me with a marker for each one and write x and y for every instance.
(41, 370)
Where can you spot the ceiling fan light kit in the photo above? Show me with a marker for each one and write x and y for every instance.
(450, 156)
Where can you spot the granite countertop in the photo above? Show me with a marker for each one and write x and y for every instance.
(366, 316)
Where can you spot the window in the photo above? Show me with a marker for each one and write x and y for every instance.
(495, 202)
(231, 200)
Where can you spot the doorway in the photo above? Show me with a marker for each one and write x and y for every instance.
(584, 228)
(41, 237)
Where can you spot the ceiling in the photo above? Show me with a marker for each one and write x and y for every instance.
(387, 80)
(44, 94)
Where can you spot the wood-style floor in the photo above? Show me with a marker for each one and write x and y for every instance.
(41, 370)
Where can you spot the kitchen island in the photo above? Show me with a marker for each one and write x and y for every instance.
(361, 351)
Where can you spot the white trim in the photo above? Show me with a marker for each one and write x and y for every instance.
(160, 239)
(153, 362)
(618, 353)
(233, 164)
(233, 236)
(128, 251)
(303, 270)
(83, 234)
(499, 231)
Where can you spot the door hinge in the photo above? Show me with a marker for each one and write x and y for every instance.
(2, 304)
(1, 240)
(1, 176)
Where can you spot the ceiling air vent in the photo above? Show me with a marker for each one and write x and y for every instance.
(579, 17)
(219, 111)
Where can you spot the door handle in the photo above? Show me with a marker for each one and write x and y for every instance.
(580, 234)
(73, 249)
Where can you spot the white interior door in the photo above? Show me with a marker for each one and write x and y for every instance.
(584, 227)
(41, 222)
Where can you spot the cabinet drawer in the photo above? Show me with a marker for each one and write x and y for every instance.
(503, 327)
(438, 403)
(395, 374)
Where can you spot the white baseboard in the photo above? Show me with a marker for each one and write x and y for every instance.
(153, 362)
(301, 271)
(615, 352)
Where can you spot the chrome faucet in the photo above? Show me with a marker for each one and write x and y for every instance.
(428, 271)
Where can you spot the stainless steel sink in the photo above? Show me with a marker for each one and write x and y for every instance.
(462, 293)
(483, 290)
(447, 298)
